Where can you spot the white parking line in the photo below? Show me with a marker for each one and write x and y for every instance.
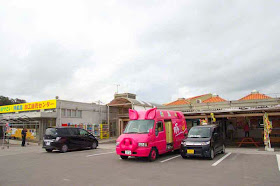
(278, 160)
(219, 161)
(170, 159)
(100, 154)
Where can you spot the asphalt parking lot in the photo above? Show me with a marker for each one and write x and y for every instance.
(33, 166)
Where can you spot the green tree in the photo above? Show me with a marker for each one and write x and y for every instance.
(7, 101)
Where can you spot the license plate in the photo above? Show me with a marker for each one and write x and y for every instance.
(48, 142)
(190, 151)
(128, 152)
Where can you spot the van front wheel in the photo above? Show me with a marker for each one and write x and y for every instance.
(124, 157)
(212, 154)
(223, 149)
(183, 154)
(49, 150)
(153, 155)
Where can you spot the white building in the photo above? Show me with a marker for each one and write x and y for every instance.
(51, 113)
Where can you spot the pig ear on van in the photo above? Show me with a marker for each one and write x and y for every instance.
(179, 115)
(151, 113)
(133, 114)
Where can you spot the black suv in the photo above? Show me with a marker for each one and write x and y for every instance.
(204, 141)
(66, 138)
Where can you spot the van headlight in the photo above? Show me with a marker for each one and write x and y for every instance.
(205, 143)
(142, 144)
(117, 143)
(184, 143)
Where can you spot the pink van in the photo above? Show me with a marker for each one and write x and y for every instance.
(150, 133)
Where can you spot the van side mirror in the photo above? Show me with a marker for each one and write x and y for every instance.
(215, 136)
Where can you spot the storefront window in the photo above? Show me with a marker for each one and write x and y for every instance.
(63, 112)
(68, 113)
(73, 113)
(79, 113)
(195, 123)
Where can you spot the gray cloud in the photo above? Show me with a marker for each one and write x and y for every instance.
(160, 50)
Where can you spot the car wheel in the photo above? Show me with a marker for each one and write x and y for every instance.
(49, 150)
(124, 157)
(184, 156)
(212, 154)
(64, 148)
(224, 149)
(153, 155)
(93, 145)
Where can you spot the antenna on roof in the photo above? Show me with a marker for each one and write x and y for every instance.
(117, 88)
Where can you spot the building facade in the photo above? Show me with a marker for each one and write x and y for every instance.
(122, 103)
(38, 116)
(247, 110)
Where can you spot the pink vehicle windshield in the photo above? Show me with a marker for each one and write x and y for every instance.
(139, 126)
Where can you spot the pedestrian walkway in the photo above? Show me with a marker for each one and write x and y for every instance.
(12, 142)
(254, 150)
(109, 140)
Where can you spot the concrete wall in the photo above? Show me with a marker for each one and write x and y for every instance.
(91, 113)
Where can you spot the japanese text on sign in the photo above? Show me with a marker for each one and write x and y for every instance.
(49, 104)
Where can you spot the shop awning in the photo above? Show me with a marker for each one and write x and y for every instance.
(18, 121)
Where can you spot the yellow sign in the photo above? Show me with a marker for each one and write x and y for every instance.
(49, 104)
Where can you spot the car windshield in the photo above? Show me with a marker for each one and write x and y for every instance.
(51, 132)
(199, 132)
(139, 126)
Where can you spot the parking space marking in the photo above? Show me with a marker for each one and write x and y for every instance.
(100, 154)
(221, 159)
(170, 158)
(278, 160)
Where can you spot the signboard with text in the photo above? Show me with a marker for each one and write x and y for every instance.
(49, 104)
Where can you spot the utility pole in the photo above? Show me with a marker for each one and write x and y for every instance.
(100, 119)
(117, 88)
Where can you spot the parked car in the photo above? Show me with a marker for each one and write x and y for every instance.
(150, 133)
(68, 138)
(203, 141)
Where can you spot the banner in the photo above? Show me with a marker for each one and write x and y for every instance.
(49, 104)
(204, 121)
(267, 129)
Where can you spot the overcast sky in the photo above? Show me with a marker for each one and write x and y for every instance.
(159, 50)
